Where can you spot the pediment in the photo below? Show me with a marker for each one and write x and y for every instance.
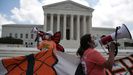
(68, 5)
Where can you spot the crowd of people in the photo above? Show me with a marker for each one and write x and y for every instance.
(93, 62)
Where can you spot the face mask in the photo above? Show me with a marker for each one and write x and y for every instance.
(47, 37)
(96, 43)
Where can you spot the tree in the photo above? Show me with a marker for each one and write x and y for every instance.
(127, 44)
(10, 40)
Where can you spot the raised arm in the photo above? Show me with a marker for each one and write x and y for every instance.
(109, 63)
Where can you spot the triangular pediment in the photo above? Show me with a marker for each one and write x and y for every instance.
(68, 5)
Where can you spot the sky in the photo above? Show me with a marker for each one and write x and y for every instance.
(107, 13)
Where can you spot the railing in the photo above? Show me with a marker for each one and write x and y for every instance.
(20, 51)
(14, 51)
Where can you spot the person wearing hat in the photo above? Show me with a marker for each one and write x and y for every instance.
(47, 43)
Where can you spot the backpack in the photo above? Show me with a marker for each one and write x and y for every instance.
(80, 70)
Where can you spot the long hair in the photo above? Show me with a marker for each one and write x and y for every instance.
(84, 44)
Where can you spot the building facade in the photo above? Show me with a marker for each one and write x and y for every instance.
(21, 31)
(71, 18)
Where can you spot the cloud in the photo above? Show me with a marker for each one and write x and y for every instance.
(30, 11)
(107, 13)
(4, 20)
(46, 2)
(112, 13)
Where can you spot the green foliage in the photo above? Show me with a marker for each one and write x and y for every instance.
(127, 44)
(10, 40)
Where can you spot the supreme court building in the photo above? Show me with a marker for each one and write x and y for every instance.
(69, 17)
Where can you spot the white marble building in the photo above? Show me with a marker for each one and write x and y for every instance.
(71, 18)
(21, 31)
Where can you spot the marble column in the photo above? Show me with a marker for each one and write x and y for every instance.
(45, 22)
(58, 22)
(64, 27)
(84, 25)
(78, 27)
(71, 28)
(90, 23)
(51, 21)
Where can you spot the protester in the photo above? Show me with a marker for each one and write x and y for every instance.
(92, 61)
(47, 43)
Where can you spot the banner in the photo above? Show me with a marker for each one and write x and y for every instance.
(123, 66)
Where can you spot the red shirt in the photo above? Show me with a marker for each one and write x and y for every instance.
(93, 61)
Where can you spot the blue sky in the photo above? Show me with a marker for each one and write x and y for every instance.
(7, 5)
(92, 2)
(107, 13)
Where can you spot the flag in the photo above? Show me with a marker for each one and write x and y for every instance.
(56, 63)
(123, 66)
(42, 63)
